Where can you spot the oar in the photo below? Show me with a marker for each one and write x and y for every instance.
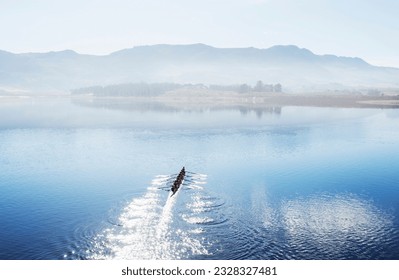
(195, 173)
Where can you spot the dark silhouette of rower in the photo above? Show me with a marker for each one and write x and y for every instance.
(178, 181)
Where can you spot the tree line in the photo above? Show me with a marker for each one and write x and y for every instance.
(156, 89)
(245, 88)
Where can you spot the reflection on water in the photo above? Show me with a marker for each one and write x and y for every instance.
(334, 225)
(145, 105)
(66, 112)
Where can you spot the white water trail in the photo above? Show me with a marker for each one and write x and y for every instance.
(148, 229)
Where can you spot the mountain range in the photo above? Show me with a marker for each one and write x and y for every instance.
(293, 67)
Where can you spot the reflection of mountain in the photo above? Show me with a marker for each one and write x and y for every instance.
(291, 66)
(147, 105)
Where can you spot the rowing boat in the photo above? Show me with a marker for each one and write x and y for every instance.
(178, 181)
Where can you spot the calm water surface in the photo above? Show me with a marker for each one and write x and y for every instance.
(85, 182)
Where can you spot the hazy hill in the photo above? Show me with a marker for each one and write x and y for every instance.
(293, 67)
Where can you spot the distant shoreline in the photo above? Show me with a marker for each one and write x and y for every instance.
(208, 99)
(282, 99)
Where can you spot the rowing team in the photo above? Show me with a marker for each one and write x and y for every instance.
(178, 181)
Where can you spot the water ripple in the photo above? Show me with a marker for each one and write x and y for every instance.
(159, 226)
(340, 226)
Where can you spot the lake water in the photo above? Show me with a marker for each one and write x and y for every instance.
(82, 180)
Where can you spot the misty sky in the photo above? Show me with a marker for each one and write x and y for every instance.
(368, 29)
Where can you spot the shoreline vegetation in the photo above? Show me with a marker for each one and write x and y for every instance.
(261, 95)
(206, 99)
(180, 101)
(277, 99)
(172, 96)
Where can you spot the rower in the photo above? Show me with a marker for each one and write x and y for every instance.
(178, 181)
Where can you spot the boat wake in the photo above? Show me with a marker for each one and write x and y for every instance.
(161, 224)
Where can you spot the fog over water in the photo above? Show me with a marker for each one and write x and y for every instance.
(66, 112)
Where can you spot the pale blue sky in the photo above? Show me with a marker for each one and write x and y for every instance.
(368, 29)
